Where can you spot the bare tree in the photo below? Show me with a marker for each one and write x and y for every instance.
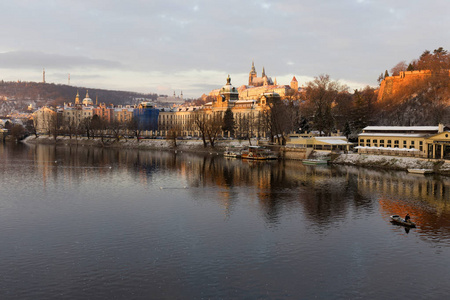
(54, 122)
(31, 126)
(98, 128)
(200, 119)
(400, 67)
(213, 127)
(117, 129)
(173, 133)
(135, 126)
(319, 97)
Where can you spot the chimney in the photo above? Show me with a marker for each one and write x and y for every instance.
(440, 128)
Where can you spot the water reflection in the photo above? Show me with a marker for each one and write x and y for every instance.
(105, 223)
(325, 195)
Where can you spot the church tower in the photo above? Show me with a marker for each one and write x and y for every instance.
(77, 99)
(252, 74)
(294, 84)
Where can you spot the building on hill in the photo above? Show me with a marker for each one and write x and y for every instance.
(257, 86)
(247, 113)
(254, 80)
(392, 85)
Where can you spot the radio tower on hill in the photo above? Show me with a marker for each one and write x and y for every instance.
(43, 75)
(68, 80)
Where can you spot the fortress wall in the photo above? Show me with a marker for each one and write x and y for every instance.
(393, 84)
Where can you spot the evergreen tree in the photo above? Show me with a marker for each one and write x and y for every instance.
(228, 122)
(347, 131)
(386, 74)
(410, 67)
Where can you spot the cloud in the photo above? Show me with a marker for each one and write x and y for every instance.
(39, 60)
(193, 44)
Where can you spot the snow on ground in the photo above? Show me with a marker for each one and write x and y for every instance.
(393, 162)
(364, 160)
(194, 145)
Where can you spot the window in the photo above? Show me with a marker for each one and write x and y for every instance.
(375, 141)
(412, 142)
(396, 143)
(420, 143)
(404, 143)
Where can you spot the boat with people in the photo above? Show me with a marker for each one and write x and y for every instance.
(258, 153)
(315, 162)
(420, 171)
(396, 219)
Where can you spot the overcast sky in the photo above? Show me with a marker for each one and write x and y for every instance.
(155, 46)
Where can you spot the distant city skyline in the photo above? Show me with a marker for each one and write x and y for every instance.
(191, 46)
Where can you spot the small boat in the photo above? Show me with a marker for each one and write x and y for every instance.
(315, 162)
(258, 153)
(231, 154)
(398, 220)
(420, 171)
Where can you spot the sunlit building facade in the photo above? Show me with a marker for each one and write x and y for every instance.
(416, 141)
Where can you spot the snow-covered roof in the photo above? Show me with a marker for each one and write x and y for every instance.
(245, 101)
(387, 148)
(333, 141)
(393, 134)
(401, 128)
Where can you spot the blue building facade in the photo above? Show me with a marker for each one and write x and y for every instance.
(147, 116)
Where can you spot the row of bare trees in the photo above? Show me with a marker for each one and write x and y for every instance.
(94, 127)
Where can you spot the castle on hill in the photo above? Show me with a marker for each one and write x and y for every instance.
(258, 86)
(391, 85)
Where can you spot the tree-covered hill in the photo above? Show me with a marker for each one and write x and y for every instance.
(57, 94)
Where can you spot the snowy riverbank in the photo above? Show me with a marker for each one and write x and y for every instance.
(363, 160)
(393, 162)
(144, 144)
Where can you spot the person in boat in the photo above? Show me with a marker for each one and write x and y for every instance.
(407, 218)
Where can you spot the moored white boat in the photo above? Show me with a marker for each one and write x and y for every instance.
(420, 171)
(314, 162)
(231, 154)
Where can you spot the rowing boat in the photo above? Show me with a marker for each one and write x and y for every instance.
(398, 220)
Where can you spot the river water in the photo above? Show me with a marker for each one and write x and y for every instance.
(88, 223)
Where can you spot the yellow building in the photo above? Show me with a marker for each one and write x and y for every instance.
(258, 86)
(246, 112)
(319, 143)
(416, 141)
(74, 114)
(44, 119)
(123, 114)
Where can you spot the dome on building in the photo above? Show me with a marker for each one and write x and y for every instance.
(87, 101)
(229, 92)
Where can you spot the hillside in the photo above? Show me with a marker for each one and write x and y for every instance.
(57, 94)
